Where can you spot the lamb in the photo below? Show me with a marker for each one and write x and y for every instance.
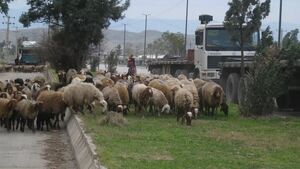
(183, 102)
(158, 100)
(6, 110)
(53, 105)
(124, 95)
(141, 95)
(112, 97)
(213, 96)
(35, 89)
(76, 96)
(28, 111)
(162, 86)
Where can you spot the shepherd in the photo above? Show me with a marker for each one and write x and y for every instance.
(131, 66)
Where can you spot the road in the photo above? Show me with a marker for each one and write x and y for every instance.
(39, 150)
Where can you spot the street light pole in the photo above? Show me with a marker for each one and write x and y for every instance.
(186, 22)
(145, 38)
(279, 29)
(124, 47)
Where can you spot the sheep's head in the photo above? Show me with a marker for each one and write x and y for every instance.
(146, 94)
(224, 108)
(166, 109)
(35, 87)
(188, 118)
(218, 95)
(120, 109)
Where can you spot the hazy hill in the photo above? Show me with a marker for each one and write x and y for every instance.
(111, 40)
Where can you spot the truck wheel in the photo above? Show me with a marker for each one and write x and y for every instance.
(232, 88)
(242, 89)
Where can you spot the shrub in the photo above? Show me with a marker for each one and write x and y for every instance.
(263, 83)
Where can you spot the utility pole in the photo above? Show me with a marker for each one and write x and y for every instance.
(186, 22)
(145, 39)
(7, 29)
(279, 29)
(17, 45)
(124, 45)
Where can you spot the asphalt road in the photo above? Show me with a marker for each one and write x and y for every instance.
(39, 150)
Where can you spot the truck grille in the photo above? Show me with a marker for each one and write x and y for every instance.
(213, 62)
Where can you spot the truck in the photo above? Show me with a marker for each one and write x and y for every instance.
(215, 57)
(28, 55)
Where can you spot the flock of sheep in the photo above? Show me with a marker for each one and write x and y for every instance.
(29, 101)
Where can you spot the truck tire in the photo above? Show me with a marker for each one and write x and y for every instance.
(232, 84)
(242, 89)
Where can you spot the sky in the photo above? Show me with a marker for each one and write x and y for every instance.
(163, 12)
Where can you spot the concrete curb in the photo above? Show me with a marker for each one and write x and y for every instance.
(84, 149)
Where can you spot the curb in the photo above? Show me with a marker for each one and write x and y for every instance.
(84, 149)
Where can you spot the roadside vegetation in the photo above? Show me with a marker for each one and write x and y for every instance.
(218, 142)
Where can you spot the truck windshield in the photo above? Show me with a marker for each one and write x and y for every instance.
(219, 39)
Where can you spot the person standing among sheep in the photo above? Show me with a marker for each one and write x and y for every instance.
(131, 66)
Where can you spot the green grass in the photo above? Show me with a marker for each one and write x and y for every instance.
(233, 142)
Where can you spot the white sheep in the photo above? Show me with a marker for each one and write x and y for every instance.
(76, 96)
(112, 97)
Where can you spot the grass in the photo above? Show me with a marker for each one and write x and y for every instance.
(233, 142)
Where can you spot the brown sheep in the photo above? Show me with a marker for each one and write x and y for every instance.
(28, 111)
(141, 95)
(103, 82)
(213, 96)
(124, 95)
(6, 110)
(159, 101)
(162, 86)
(112, 97)
(183, 102)
(190, 86)
(52, 104)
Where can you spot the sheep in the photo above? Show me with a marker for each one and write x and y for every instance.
(28, 111)
(53, 104)
(35, 89)
(5, 95)
(10, 88)
(112, 97)
(19, 81)
(162, 86)
(213, 96)
(76, 96)
(199, 84)
(183, 100)
(27, 92)
(6, 110)
(158, 100)
(62, 76)
(41, 80)
(70, 74)
(2, 86)
(124, 95)
(103, 82)
(182, 77)
(141, 95)
(190, 86)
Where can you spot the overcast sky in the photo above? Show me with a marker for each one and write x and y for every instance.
(175, 9)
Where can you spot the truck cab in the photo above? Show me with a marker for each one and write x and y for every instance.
(28, 54)
(214, 46)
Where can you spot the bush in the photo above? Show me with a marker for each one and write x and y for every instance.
(112, 61)
(263, 83)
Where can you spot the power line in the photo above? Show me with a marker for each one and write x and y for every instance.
(8, 23)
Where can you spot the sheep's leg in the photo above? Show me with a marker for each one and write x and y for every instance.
(47, 123)
(23, 122)
(57, 121)
(7, 123)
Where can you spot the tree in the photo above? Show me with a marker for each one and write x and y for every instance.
(168, 43)
(290, 39)
(112, 61)
(243, 19)
(4, 6)
(78, 24)
(266, 41)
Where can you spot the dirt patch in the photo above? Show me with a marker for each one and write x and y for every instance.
(58, 151)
